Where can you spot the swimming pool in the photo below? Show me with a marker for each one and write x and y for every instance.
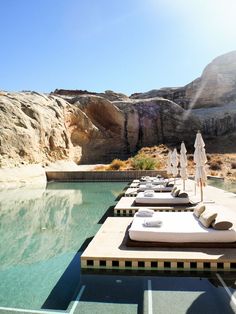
(44, 232)
(41, 234)
(226, 185)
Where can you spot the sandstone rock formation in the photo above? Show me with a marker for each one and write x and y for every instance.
(212, 97)
(88, 127)
(36, 128)
(215, 87)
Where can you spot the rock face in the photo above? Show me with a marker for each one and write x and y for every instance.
(97, 127)
(216, 88)
(37, 128)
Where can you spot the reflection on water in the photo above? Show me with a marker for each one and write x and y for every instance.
(36, 226)
(41, 231)
(223, 184)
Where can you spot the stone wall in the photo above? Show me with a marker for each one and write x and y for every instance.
(101, 175)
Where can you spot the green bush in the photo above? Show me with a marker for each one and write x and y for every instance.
(142, 162)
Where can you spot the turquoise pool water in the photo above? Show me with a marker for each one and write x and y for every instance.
(44, 232)
(41, 234)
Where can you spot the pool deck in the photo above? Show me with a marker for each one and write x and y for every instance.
(108, 251)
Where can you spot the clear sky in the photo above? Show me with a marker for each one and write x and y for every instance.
(124, 45)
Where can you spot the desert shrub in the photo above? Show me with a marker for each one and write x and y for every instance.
(215, 166)
(142, 162)
(218, 161)
(233, 165)
(213, 173)
(116, 164)
(100, 168)
(208, 157)
(165, 151)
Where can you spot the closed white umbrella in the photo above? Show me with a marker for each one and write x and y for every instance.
(200, 160)
(168, 168)
(174, 162)
(183, 164)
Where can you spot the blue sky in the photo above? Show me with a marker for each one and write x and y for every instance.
(124, 45)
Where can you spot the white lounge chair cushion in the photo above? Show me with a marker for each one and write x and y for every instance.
(178, 227)
(160, 198)
(156, 188)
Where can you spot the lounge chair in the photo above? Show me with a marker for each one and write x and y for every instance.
(177, 230)
(144, 198)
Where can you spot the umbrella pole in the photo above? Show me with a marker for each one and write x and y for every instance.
(184, 185)
(201, 190)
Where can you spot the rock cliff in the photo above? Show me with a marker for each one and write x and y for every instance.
(211, 98)
(89, 127)
(36, 128)
(215, 87)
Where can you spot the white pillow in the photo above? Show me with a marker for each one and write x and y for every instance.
(207, 217)
(199, 209)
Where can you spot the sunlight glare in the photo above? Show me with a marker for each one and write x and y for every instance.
(215, 17)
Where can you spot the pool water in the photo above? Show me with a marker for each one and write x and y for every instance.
(43, 234)
(226, 185)
(162, 292)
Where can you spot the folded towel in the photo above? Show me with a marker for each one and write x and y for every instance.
(145, 209)
(152, 223)
(145, 212)
(149, 193)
